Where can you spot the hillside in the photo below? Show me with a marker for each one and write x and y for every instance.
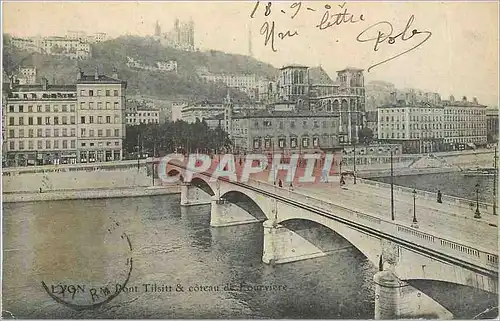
(166, 85)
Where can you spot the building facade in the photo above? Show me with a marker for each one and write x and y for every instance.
(286, 131)
(57, 46)
(143, 115)
(492, 125)
(54, 124)
(26, 75)
(427, 128)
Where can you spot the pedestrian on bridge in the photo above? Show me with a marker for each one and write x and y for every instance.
(439, 195)
(280, 183)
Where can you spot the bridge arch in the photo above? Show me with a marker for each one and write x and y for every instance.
(368, 245)
(203, 185)
(245, 202)
(174, 173)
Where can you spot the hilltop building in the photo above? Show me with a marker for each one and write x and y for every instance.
(55, 46)
(180, 37)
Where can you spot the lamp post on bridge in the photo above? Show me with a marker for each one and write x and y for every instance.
(477, 214)
(414, 223)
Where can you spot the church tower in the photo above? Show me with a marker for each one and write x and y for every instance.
(157, 29)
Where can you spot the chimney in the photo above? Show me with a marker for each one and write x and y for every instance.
(11, 82)
(115, 73)
(96, 75)
(45, 82)
(452, 98)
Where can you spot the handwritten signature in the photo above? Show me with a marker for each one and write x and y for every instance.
(381, 32)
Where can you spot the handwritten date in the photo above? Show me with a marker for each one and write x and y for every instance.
(382, 32)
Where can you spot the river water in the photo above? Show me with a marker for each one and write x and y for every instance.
(68, 243)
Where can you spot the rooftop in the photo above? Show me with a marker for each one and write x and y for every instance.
(350, 69)
(91, 79)
(293, 66)
(283, 114)
(318, 76)
(37, 87)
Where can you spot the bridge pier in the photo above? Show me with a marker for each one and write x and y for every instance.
(282, 245)
(225, 213)
(396, 299)
(192, 195)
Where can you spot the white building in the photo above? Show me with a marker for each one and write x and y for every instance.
(167, 65)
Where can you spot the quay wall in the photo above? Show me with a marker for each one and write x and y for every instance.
(75, 178)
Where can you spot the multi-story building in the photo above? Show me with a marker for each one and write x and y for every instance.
(176, 110)
(167, 65)
(286, 131)
(492, 125)
(258, 89)
(425, 128)
(180, 37)
(143, 115)
(418, 128)
(26, 76)
(82, 36)
(59, 46)
(52, 124)
(293, 83)
(464, 122)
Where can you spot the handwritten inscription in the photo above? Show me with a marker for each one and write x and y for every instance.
(335, 19)
(382, 32)
(269, 33)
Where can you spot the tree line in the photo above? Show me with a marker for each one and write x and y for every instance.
(178, 136)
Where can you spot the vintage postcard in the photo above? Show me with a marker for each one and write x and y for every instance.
(250, 159)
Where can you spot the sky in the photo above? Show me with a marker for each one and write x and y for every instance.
(460, 56)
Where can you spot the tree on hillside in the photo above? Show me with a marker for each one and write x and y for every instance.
(365, 135)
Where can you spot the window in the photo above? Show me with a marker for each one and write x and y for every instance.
(21, 145)
(82, 120)
(267, 123)
(64, 120)
(267, 142)
(83, 144)
(65, 132)
(292, 124)
(11, 108)
(108, 92)
(11, 121)
(47, 144)
(64, 144)
(99, 105)
(72, 119)
(99, 132)
(281, 143)
(39, 108)
(82, 92)
(108, 105)
(21, 108)
(56, 108)
(11, 133)
(21, 120)
(64, 108)
(256, 143)
(72, 107)
(30, 144)
(47, 132)
(47, 108)
(305, 142)
(117, 106)
(99, 92)
(83, 132)
(91, 105)
(73, 132)
(56, 144)
(99, 119)
(30, 109)
(115, 92)
(108, 132)
(91, 119)
(11, 146)
(108, 119)
(91, 133)
(56, 120)
(30, 120)
(117, 132)
(82, 105)
(315, 141)
(91, 93)
(73, 144)
(39, 144)
(39, 132)
(56, 132)
(30, 133)
(293, 142)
